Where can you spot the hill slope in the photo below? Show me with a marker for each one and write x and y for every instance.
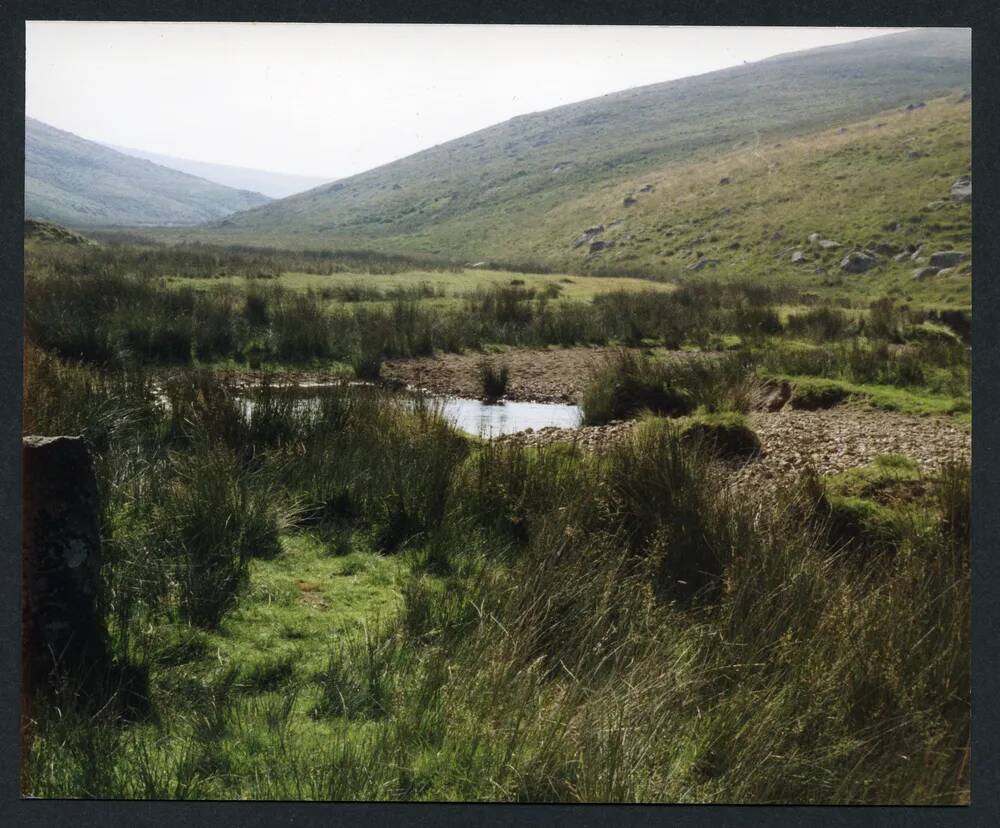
(271, 184)
(490, 194)
(80, 183)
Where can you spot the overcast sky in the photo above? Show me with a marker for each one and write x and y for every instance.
(332, 99)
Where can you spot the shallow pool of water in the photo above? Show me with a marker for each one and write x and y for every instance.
(478, 418)
(474, 416)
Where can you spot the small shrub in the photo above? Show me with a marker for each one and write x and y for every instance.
(493, 380)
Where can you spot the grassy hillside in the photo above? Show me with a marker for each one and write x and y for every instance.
(502, 193)
(76, 182)
(883, 182)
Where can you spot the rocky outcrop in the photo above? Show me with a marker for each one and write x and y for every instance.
(917, 105)
(857, 262)
(946, 258)
(924, 273)
(961, 190)
(829, 244)
(628, 201)
(588, 235)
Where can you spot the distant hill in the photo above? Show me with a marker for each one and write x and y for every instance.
(503, 193)
(271, 184)
(80, 183)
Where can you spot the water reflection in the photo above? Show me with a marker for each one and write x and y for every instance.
(475, 417)
(471, 416)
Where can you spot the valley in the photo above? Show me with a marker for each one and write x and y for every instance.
(616, 453)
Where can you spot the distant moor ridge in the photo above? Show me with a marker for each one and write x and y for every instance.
(500, 193)
(525, 190)
(80, 183)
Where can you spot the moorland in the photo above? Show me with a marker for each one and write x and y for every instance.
(743, 578)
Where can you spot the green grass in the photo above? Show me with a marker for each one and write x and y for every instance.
(454, 284)
(888, 397)
(727, 434)
(305, 599)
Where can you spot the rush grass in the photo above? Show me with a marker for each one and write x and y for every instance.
(444, 619)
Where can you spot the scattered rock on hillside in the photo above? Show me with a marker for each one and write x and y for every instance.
(814, 238)
(857, 262)
(966, 96)
(914, 154)
(946, 258)
(886, 249)
(798, 257)
(916, 253)
(947, 271)
(478, 264)
(842, 130)
(587, 235)
(924, 273)
(628, 201)
(901, 257)
(597, 245)
(961, 190)
(917, 105)
(562, 165)
(725, 180)
(701, 264)
(646, 188)
(829, 244)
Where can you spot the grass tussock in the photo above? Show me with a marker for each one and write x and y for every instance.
(493, 380)
(630, 383)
